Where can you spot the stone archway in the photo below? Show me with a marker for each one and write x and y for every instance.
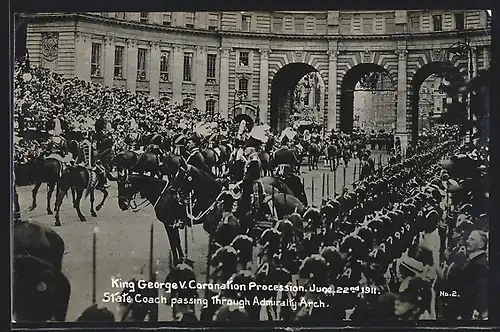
(348, 87)
(282, 88)
(440, 68)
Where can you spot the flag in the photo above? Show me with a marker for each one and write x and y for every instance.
(203, 129)
(259, 133)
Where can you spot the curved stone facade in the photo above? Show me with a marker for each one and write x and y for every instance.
(233, 57)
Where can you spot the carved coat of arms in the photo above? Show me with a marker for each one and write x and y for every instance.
(50, 44)
(299, 56)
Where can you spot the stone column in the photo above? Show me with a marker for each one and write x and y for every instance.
(332, 90)
(264, 85)
(200, 77)
(131, 65)
(224, 82)
(474, 61)
(178, 66)
(401, 131)
(109, 59)
(83, 55)
(154, 74)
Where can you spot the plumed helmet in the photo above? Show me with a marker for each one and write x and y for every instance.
(224, 258)
(270, 240)
(243, 277)
(353, 246)
(285, 227)
(312, 217)
(333, 261)
(243, 244)
(366, 235)
(313, 268)
(297, 222)
(181, 272)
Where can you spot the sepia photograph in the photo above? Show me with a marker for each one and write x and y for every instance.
(251, 166)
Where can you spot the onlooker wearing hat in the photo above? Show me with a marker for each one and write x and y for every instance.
(471, 279)
(414, 302)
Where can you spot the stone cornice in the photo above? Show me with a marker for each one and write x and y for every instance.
(156, 27)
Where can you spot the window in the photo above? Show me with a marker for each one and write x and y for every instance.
(141, 64)
(367, 25)
(120, 15)
(299, 24)
(95, 67)
(167, 18)
(213, 22)
(210, 106)
(278, 24)
(164, 57)
(119, 51)
(246, 21)
(244, 59)
(459, 21)
(243, 87)
(188, 61)
(144, 17)
(437, 22)
(190, 20)
(211, 63)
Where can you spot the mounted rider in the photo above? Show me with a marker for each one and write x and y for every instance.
(87, 149)
(194, 156)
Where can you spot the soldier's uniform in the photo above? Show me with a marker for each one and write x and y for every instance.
(195, 158)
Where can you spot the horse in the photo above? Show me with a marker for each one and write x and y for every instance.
(211, 159)
(332, 155)
(265, 160)
(82, 182)
(169, 200)
(48, 171)
(314, 152)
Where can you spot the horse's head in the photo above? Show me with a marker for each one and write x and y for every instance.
(126, 192)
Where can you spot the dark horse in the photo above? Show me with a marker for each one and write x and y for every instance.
(47, 171)
(332, 155)
(170, 200)
(314, 153)
(80, 180)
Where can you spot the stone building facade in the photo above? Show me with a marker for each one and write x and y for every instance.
(227, 61)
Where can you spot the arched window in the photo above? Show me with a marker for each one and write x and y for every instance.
(243, 86)
(210, 106)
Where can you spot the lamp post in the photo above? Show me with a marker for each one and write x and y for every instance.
(464, 48)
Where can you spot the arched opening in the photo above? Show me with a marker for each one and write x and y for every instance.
(428, 104)
(368, 99)
(291, 87)
(238, 118)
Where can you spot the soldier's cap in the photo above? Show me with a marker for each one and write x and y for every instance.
(412, 264)
(39, 289)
